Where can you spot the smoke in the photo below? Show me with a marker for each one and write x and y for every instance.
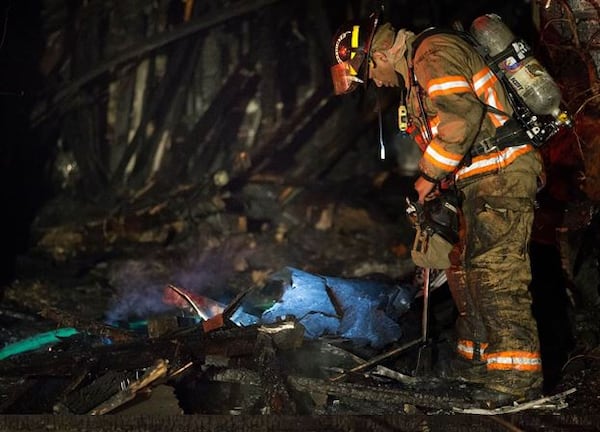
(140, 283)
(139, 286)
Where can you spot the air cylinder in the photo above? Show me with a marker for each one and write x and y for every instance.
(514, 58)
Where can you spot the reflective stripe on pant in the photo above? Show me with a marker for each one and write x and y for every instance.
(514, 360)
(471, 350)
(506, 360)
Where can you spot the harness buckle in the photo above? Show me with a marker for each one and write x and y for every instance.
(485, 146)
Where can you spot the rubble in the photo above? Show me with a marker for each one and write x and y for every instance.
(277, 366)
(222, 248)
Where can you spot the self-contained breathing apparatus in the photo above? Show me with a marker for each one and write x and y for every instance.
(535, 100)
(533, 94)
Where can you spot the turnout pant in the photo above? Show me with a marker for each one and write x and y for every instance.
(490, 282)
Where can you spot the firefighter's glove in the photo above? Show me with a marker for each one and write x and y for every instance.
(436, 225)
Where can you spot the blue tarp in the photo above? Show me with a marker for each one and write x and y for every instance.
(362, 310)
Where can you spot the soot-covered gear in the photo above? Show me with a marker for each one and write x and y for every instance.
(351, 45)
(533, 94)
(436, 224)
(510, 134)
(438, 215)
(464, 114)
(458, 91)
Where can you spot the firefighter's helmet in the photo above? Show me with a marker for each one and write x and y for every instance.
(350, 60)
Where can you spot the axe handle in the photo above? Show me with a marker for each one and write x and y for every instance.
(425, 318)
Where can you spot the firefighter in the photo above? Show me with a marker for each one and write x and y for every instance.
(460, 117)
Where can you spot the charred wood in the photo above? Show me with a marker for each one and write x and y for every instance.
(275, 147)
(65, 319)
(61, 98)
(131, 356)
(178, 348)
(39, 395)
(230, 422)
(393, 396)
(207, 140)
(13, 388)
(129, 389)
(98, 380)
(95, 393)
(166, 120)
(300, 125)
(125, 87)
(235, 375)
(162, 96)
(276, 397)
(82, 135)
(98, 236)
(266, 55)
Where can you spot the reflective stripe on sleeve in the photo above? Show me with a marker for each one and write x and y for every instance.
(448, 85)
(483, 80)
(437, 156)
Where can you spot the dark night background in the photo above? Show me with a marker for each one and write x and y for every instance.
(25, 170)
(22, 158)
(342, 131)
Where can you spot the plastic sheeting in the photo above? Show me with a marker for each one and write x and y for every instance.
(365, 311)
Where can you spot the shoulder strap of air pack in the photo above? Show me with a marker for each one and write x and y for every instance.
(509, 135)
